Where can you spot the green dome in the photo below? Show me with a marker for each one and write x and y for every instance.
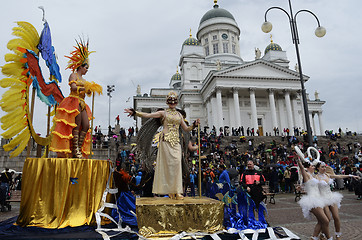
(176, 77)
(191, 41)
(216, 12)
(273, 46)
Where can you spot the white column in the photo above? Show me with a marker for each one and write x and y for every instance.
(273, 109)
(138, 119)
(187, 110)
(209, 113)
(321, 128)
(214, 112)
(296, 113)
(289, 113)
(311, 119)
(221, 49)
(281, 115)
(220, 121)
(254, 116)
(237, 107)
(231, 117)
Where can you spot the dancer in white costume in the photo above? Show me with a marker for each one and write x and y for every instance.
(312, 201)
(332, 199)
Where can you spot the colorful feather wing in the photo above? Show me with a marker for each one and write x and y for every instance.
(22, 69)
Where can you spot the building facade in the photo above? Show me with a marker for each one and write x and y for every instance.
(216, 85)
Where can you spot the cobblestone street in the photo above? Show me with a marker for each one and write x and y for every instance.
(287, 213)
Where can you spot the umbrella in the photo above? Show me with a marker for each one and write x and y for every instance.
(272, 165)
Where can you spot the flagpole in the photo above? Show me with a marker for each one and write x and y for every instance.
(200, 173)
(91, 140)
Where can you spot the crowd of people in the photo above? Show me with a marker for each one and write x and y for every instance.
(276, 160)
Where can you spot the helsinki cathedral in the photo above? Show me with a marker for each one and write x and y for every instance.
(216, 85)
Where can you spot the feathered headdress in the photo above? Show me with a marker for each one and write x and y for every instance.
(79, 56)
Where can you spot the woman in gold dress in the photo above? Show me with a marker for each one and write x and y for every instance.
(168, 170)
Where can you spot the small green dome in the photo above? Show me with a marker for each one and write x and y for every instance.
(191, 41)
(273, 46)
(216, 12)
(176, 77)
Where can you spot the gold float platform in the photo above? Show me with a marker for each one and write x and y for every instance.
(162, 216)
(61, 192)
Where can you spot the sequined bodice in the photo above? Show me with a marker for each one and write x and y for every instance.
(80, 83)
(171, 126)
(324, 184)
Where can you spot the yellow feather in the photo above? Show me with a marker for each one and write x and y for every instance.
(9, 82)
(8, 124)
(20, 32)
(18, 112)
(11, 106)
(12, 57)
(15, 129)
(13, 70)
(11, 97)
(93, 87)
(17, 42)
(22, 145)
(52, 113)
(14, 91)
(16, 141)
(29, 28)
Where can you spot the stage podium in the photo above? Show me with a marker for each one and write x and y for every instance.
(164, 217)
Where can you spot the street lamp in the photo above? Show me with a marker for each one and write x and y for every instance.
(319, 32)
(110, 89)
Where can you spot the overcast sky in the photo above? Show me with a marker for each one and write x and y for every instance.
(139, 42)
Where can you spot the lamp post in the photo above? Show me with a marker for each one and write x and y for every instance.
(110, 89)
(319, 32)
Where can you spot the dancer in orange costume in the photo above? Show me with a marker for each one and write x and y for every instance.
(72, 136)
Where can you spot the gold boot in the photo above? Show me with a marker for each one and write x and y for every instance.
(82, 136)
(179, 197)
(76, 152)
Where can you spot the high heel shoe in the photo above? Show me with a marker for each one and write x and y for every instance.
(179, 197)
(172, 196)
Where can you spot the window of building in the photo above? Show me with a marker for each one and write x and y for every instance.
(207, 51)
(215, 48)
(234, 48)
(260, 122)
(225, 47)
(206, 40)
(214, 37)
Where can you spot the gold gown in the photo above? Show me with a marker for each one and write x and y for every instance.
(168, 170)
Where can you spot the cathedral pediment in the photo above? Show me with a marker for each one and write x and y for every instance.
(193, 55)
(260, 69)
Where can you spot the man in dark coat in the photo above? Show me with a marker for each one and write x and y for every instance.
(252, 180)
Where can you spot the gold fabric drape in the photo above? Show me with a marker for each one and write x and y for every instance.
(162, 217)
(61, 192)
